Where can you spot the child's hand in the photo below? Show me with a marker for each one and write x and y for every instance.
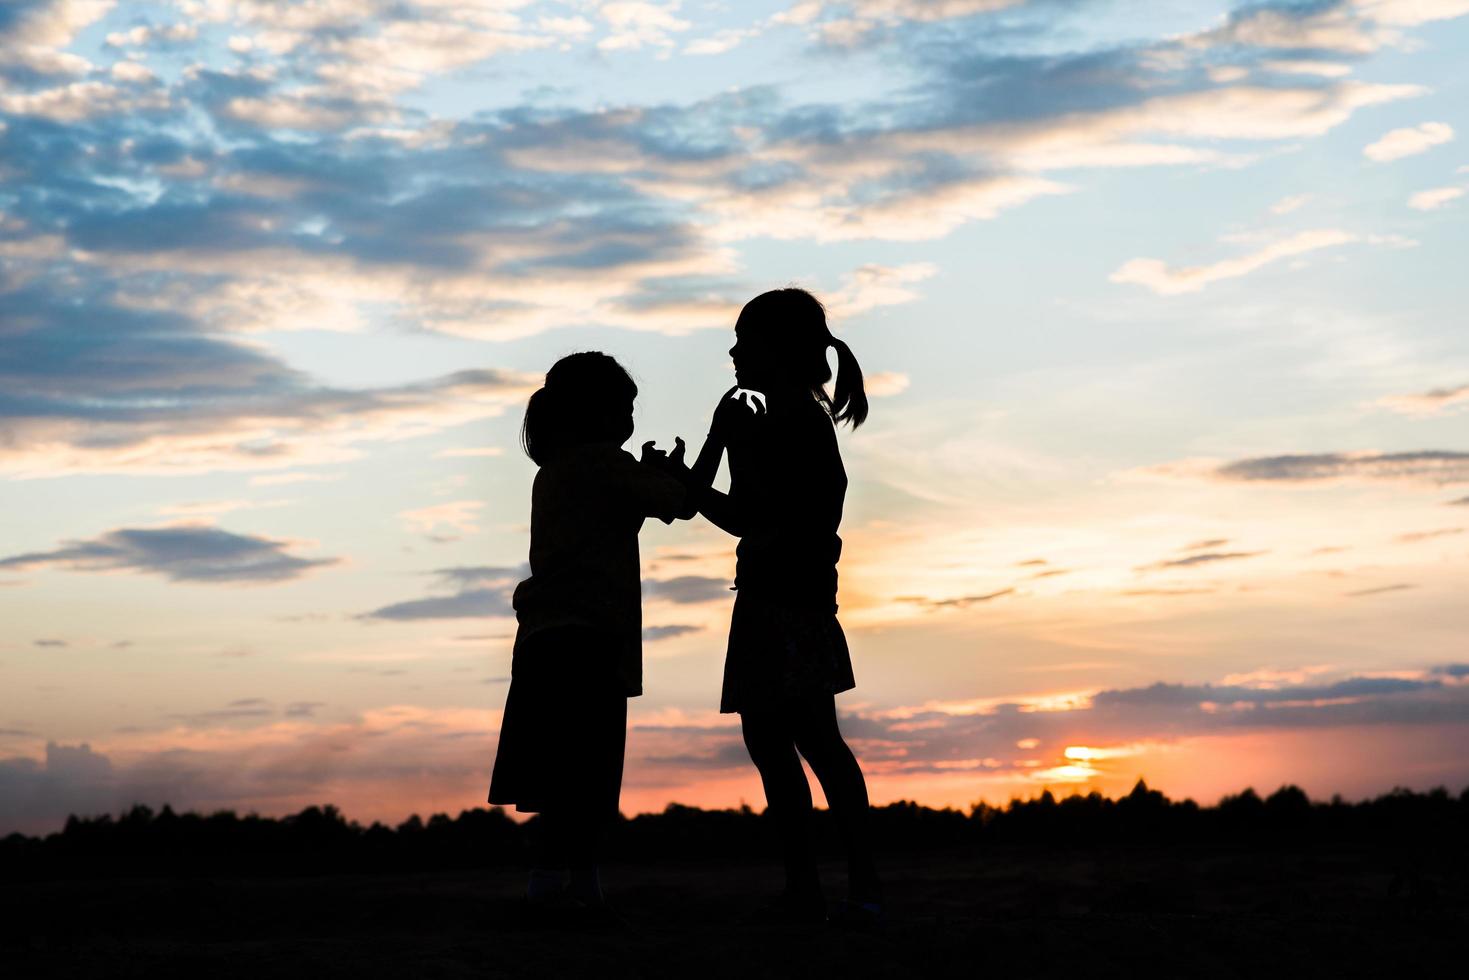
(653, 456)
(735, 407)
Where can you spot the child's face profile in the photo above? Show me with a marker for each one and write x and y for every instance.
(754, 359)
(625, 422)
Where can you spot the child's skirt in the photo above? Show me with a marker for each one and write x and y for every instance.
(565, 725)
(777, 653)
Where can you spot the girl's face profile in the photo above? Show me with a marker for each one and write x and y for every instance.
(754, 360)
(625, 429)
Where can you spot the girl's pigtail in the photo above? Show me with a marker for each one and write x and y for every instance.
(849, 401)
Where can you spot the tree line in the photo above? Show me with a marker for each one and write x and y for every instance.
(321, 840)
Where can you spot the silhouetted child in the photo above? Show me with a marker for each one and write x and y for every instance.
(578, 648)
(787, 654)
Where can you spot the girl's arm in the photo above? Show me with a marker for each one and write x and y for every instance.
(720, 508)
(722, 511)
(698, 481)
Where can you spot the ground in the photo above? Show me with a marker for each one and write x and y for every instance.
(1019, 911)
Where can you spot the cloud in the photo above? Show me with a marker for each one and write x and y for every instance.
(687, 589)
(457, 516)
(213, 508)
(849, 23)
(278, 764)
(1288, 204)
(469, 604)
(981, 737)
(885, 384)
(156, 220)
(469, 452)
(1416, 536)
(1379, 590)
(1429, 466)
(1330, 27)
(146, 35)
(1156, 275)
(34, 34)
(652, 634)
(871, 286)
(153, 392)
(54, 644)
(1159, 593)
(1432, 200)
(635, 24)
(1408, 141)
(1203, 558)
(956, 602)
(179, 554)
(476, 592)
(1431, 402)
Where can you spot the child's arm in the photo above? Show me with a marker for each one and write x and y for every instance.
(720, 508)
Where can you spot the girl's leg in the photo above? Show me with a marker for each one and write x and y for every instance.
(787, 794)
(594, 775)
(814, 727)
(586, 746)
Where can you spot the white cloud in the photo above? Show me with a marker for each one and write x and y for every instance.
(469, 452)
(1408, 141)
(78, 101)
(871, 286)
(132, 71)
(636, 24)
(457, 516)
(1435, 198)
(884, 384)
(719, 43)
(1288, 204)
(1156, 275)
(1411, 13)
(1324, 69)
(1332, 29)
(34, 38)
(142, 36)
(1431, 402)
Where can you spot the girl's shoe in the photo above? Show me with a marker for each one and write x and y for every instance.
(858, 916)
(789, 908)
(563, 911)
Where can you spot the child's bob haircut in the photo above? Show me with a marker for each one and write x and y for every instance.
(795, 320)
(587, 397)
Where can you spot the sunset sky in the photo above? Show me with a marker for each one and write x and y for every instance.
(1162, 303)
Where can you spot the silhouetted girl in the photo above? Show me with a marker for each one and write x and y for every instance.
(787, 655)
(578, 649)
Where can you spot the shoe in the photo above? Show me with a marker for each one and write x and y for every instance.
(562, 911)
(789, 908)
(858, 916)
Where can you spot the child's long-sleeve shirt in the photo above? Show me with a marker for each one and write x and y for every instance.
(588, 504)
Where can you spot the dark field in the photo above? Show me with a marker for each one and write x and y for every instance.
(1013, 910)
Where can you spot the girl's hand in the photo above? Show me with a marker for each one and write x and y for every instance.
(735, 407)
(653, 456)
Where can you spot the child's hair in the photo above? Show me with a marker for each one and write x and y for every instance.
(587, 397)
(801, 321)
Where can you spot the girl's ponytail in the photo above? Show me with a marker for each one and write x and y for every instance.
(849, 400)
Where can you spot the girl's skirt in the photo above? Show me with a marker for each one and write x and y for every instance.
(565, 725)
(778, 653)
